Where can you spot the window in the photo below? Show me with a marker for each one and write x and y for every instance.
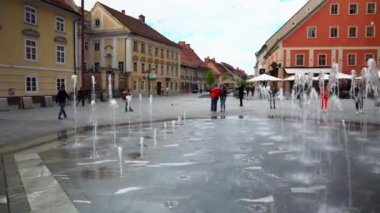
(167, 53)
(31, 84)
(322, 60)
(97, 66)
(167, 70)
(97, 46)
(60, 54)
(142, 85)
(97, 23)
(162, 69)
(135, 85)
(352, 32)
(334, 32)
(162, 53)
(60, 83)
(334, 9)
(311, 32)
(156, 51)
(353, 9)
(30, 50)
(134, 66)
(150, 67)
(30, 15)
(370, 31)
(172, 55)
(156, 69)
(135, 46)
(367, 57)
(176, 56)
(86, 46)
(142, 67)
(60, 24)
(85, 66)
(121, 66)
(371, 8)
(351, 59)
(150, 50)
(142, 47)
(299, 60)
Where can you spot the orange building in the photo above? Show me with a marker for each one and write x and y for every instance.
(322, 33)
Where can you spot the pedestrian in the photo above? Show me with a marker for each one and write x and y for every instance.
(358, 97)
(324, 99)
(214, 94)
(80, 97)
(247, 91)
(128, 98)
(272, 94)
(241, 94)
(223, 97)
(61, 100)
(253, 90)
(167, 91)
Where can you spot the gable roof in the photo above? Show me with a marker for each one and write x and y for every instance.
(138, 27)
(68, 6)
(189, 58)
(306, 10)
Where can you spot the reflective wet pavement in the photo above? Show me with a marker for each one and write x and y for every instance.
(222, 164)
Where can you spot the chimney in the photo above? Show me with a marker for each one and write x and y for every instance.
(123, 12)
(142, 18)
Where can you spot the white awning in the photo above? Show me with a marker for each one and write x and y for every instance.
(307, 70)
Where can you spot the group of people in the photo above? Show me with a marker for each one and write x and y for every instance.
(220, 92)
(217, 93)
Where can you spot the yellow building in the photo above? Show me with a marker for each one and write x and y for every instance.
(37, 47)
(132, 52)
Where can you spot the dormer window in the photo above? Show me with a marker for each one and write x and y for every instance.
(97, 23)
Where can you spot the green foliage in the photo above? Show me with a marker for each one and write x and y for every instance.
(210, 78)
(224, 77)
(244, 83)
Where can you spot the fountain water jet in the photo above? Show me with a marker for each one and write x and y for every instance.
(74, 78)
(155, 137)
(120, 153)
(113, 105)
(141, 147)
(93, 119)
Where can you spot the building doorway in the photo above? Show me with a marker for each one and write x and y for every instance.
(159, 88)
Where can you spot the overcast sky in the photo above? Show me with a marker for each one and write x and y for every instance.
(227, 30)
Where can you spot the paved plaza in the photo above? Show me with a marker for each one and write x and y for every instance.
(177, 156)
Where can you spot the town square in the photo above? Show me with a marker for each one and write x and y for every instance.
(104, 109)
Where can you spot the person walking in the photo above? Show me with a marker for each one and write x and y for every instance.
(241, 94)
(128, 98)
(272, 94)
(253, 90)
(223, 97)
(247, 91)
(324, 99)
(61, 100)
(80, 97)
(214, 93)
(358, 97)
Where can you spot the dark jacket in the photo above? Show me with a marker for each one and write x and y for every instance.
(61, 96)
(223, 92)
(241, 91)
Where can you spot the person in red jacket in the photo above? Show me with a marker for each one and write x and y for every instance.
(214, 93)
(324, 99)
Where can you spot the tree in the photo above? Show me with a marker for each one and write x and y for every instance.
(224, 77)
(210, 78)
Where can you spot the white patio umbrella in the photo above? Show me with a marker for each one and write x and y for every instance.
(343, 76)
(325, 77)
(263, 77)
(290, 78)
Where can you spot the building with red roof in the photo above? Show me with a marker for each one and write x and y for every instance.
(193, 69)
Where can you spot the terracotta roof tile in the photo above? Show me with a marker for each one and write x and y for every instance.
(63, 5)
(138, 27)
(189, 58)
